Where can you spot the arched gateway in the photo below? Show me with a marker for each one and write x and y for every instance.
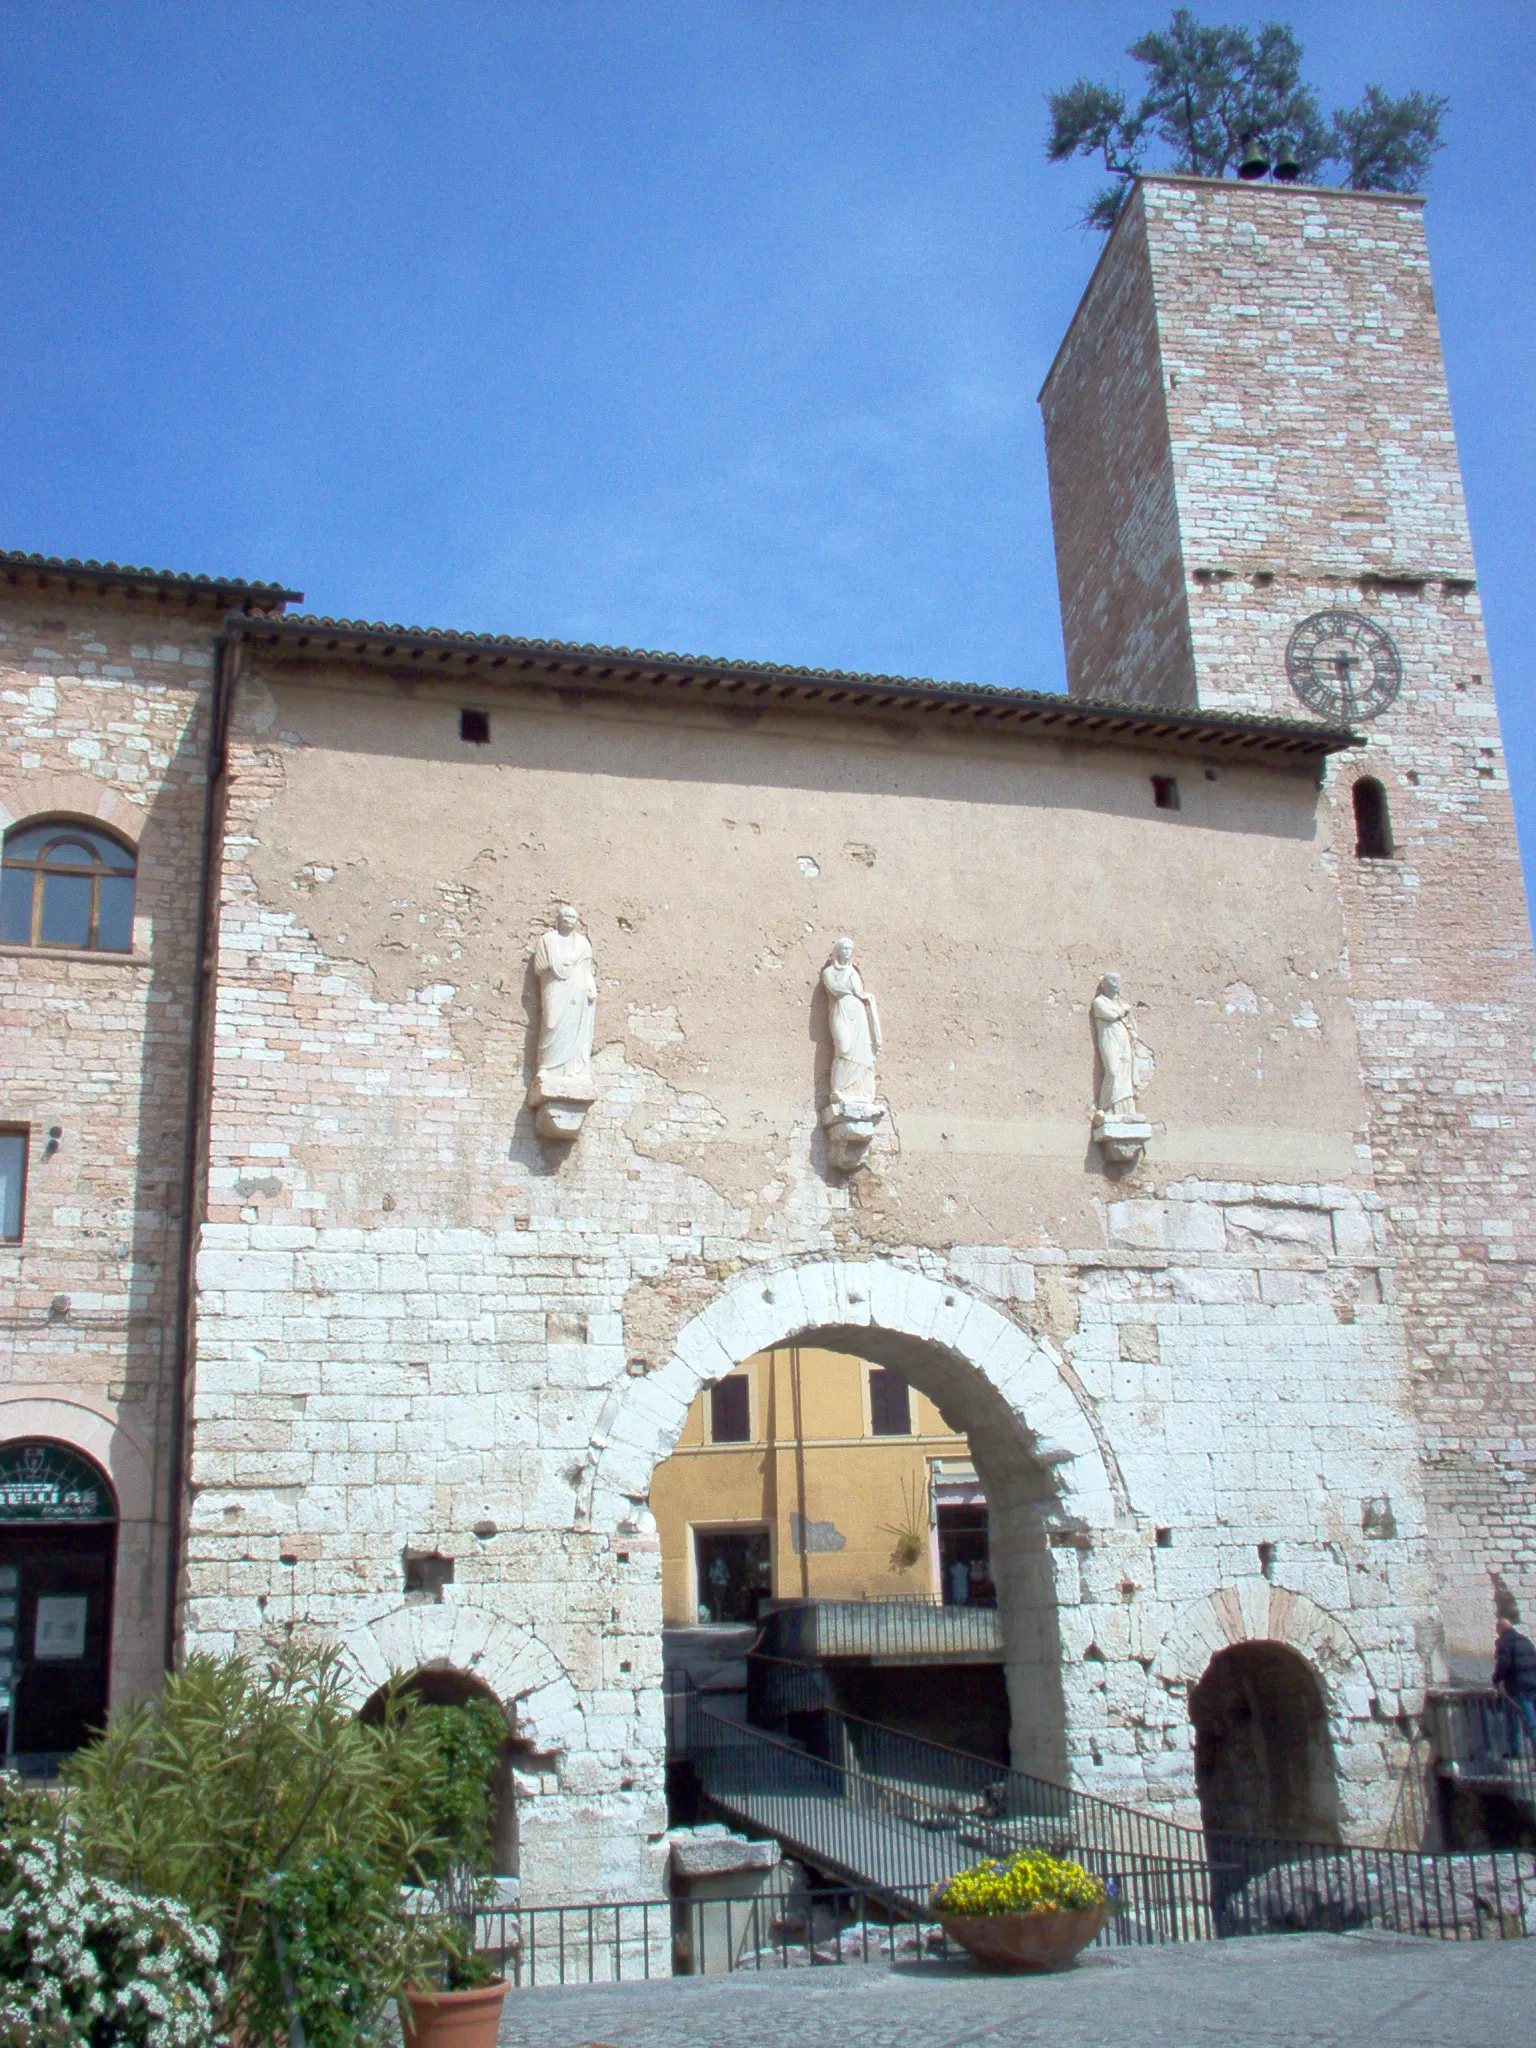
(1031, 1436)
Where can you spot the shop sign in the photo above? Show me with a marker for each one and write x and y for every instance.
(46, 1483)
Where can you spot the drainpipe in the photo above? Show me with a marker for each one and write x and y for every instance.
(199, 1054)
(805, 1555)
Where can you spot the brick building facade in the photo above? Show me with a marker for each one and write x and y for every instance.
(1247, 424)
(1261, 1388)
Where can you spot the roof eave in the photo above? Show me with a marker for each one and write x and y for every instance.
(71, 577)
(627, 672)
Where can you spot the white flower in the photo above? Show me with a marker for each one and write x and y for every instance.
(75, 1949)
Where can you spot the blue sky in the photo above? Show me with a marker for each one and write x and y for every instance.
(709, 327)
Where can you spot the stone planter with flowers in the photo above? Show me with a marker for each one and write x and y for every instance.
(1034, 1912)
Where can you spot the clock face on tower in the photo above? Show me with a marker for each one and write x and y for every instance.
(1343, 665)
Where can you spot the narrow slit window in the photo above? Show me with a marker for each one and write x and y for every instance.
(475, 726)
(890, 1403)
(730, 1410)
(1165, 792)
(64, 884)
(1373, 821)
(13, 1182)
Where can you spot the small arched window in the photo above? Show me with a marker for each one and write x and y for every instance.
(1373, 821)
(65, 884)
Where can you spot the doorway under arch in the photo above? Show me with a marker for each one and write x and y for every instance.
(444, 1685)
(1033, 1446)
(1264, 1762)
(58, 1554)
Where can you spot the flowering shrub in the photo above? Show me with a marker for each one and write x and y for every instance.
(1030, 1882)
(256, 1796)
(84, 1961)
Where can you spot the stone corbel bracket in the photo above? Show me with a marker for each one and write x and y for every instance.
(1122, 1139)
(558, 1118)
(850, 1129)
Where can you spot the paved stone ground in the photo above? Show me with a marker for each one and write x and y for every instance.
(1296, 1991)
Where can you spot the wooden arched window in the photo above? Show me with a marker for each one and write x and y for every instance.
(64, 884)
(1373, 821)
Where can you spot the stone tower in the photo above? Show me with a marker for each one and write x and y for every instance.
(1248, 428)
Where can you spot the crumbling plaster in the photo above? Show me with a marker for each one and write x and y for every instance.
(980, 867)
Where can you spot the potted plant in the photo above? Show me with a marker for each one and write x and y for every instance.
(454, 1996)
(1034, 1912)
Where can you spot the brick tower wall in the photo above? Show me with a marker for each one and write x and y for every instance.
(1294, 351)
(1124, 613)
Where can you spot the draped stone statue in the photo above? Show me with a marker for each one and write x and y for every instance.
(563, 1089)
(852, 1113)
(855, 1027)
(1114, 1031)
(1119, 1128)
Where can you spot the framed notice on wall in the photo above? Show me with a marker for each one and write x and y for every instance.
(60, 1631)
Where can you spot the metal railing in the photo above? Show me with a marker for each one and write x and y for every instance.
(896, 1815)
(541, 1946)
(795, 1702)
(1480, 1742)
(1451, 1898)
(909, 1630)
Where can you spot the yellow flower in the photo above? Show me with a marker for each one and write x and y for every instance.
(1029, 1882)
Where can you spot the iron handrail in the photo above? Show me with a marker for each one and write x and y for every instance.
(907, 1627)
(878, 1750)
(1479, 1739)
(886, 1833)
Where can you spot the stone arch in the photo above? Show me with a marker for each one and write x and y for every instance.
(457, 1635)
(445, 1685)
(1032, 1440)
(936, 1332)
(1265, 1760)
(69, 796)
(68, 1555)
(1253, 1610)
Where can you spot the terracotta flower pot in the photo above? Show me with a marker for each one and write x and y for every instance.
(1052, 1940)
(453, 2019)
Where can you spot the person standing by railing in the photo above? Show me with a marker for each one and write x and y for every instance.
(1514, 1673)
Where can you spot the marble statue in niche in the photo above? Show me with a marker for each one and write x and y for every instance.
(1120, 1130)
(852, 1113)
(563, 1089)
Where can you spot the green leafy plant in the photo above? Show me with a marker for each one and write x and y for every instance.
(467, 1740)
(911, 1532)
(1030, 1882)
(1213, 90)
(448, 1959)
(466, 1743)
(84, 1961)
(282, 1822)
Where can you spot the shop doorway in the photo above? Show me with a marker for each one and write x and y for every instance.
(965, 1554)
(733, 1573)
(58, 1550)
